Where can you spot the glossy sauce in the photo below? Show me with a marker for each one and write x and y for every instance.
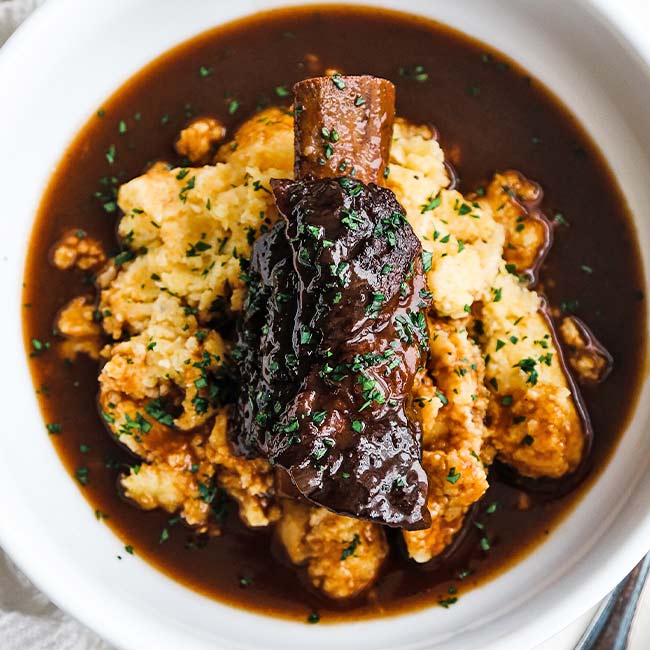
(490, 116)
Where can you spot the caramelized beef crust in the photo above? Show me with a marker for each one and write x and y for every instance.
(333, 335)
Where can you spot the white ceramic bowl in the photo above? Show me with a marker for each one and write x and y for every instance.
(53, 73)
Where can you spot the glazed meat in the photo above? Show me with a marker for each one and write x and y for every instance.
(334, 329)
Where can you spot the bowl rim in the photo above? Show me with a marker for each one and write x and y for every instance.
(601, 580)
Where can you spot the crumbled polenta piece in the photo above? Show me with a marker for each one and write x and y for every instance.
(534, 422)
(77, 250)
(452, 413)
(343, 555)
(249, 482)
(198, 139)
(77, 324)
(515, 203)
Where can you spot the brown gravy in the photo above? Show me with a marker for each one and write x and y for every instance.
(490, 115)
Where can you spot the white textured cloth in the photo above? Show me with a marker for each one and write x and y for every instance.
(12, 13)
(28, 620)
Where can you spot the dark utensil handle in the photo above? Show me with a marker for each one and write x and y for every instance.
(610, 627)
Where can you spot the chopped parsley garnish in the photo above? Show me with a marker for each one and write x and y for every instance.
(292, 426)
(351, 219)
(431, 205)
(195, 249)
(39, 347)
(546, 358)
(108, 417)
(305, 335)
(257, 186)
(81, 475)
(416, 73)
(156, 410)
(569, 306)
(134, 426)
(528, 365)
(124, 257)
(351, 547)
(186, 188)
(200, 404)
(110, 154)
(453, 476)
(375, 305)
(442, 398)
(426, 260)
(318, 417)
(206, 492)
(350, 187)
(53, 427)
(369, 392)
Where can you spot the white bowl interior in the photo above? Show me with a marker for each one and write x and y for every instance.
(54, 74)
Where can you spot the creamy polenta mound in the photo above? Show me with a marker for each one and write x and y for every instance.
(493, 387)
